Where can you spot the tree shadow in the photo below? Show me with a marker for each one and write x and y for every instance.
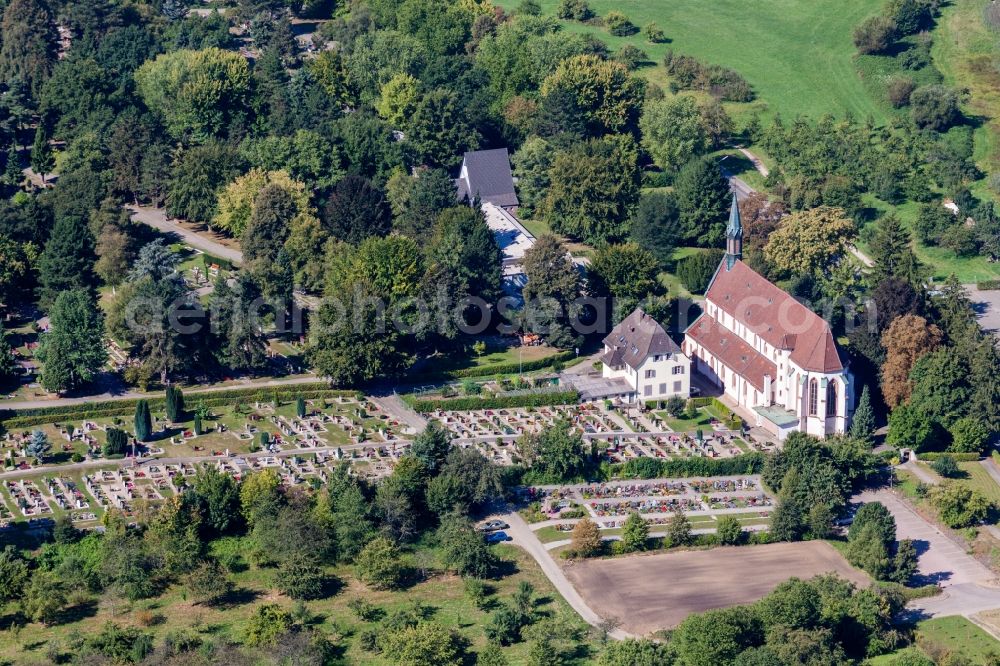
(238, 596)
(78, 612)
(503, 569)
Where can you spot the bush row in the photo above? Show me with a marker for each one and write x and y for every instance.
(931, 456)
(21, 418)
(988, 285)
(494, 402)
(498, 368)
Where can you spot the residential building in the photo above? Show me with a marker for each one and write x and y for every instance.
(641, 354)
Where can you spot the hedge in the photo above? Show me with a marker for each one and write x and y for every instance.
(494, 402)
(496, 369)
(652, 468)
(988, 285)
(931, 456)
(22, 418)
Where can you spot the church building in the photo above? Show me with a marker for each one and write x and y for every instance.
(769, 353)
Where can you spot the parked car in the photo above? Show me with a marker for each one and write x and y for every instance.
(498, 537)
(493, 526)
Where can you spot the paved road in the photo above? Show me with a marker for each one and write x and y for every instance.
(942, 560)
(525, 538)
(157, 218)
(922, 474)
(395, 407)
(991, 468)
(986, 303)
(60, 402)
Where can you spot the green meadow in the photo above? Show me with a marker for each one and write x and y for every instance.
(797, 54)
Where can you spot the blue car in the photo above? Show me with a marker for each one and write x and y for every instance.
(497, 537)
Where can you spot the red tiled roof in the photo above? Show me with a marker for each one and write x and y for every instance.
(774, 315)
(732, 351)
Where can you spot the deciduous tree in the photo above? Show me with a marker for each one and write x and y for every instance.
(907, 339)
(810, 242)
(197, 92)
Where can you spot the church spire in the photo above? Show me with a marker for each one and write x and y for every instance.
(734, 235)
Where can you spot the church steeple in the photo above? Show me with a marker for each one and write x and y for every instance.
(734, 235)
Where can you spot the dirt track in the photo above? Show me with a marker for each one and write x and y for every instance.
(651, 592)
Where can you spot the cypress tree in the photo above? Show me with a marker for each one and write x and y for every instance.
(197, 424)
(300, 406)
(12, 169)
(143, 421)
(171, 403)
(863, 424)
(42, 161)
(175, 404)
(117, 442)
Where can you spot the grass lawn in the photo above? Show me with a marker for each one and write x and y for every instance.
(965, 51)
(941, 262)
(685, 424)
(798, 55)
(976, 477)
(979, 479)
(957, 634)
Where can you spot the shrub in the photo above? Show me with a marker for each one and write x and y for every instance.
(676, 405)
(619, 25)
(300, 577)
(874, 35)
(946, 467)
(934, 107)
(987, 285)
(630, 56)
(654, 33)
(959, 505)
(529, 8)
(379, 565)
(577, 10)
(910, 16)
(690, 74)
(899, 90)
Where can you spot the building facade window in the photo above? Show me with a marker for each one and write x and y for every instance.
(831, 398)
(650, 374)
(648, 390)
(663, 388)
(813, 397)
(678, 387)
(678, 370)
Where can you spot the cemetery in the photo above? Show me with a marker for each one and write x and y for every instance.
(609, 504)
(304, 439)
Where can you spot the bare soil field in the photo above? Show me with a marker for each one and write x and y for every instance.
(652, 592)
